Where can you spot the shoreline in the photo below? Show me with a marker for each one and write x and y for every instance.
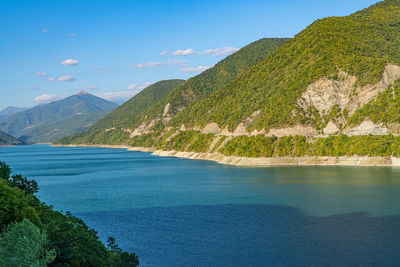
(263, 162)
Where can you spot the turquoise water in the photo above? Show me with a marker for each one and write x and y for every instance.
(178, 212)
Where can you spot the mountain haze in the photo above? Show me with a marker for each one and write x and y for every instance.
(160, 112)
(8, 140)
(332, 90)
(79, 104)
(9, 111)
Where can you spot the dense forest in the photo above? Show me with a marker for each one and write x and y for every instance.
(8, 140)
(271, 84)
(145, 108)
(33, 234)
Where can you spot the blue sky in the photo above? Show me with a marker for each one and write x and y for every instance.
(51, 49)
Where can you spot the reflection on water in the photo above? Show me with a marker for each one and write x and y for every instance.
(251, 235)
(186, 212)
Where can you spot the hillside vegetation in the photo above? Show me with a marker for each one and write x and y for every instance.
(33, 234)
(354, 60)
(361, 44)
(55, 131)
(187, 93)
(8, 140)
(82, 103)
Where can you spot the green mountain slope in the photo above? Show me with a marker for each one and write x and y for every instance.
(361, 45)
(213, 79)
(82, 103)
(8, 140)
(185, 94)
(333, 90)
(9, 111)
(127, 114)
(52, 132)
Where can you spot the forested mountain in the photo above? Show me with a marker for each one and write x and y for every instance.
(83, 103)
(8, 140)
(187, 93)
(73, 125)
(33, 234)
(9, 111)
(334, 87)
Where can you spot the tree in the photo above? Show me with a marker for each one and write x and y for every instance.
(23, 244)
(29, 186)
(5, 171)
(119, 258)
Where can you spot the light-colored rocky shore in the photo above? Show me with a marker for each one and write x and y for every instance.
(263, 162)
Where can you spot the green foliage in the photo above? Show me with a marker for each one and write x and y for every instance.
(299, 146)
(214, 78)
(147, 106)
(74, 243)
(384, 109)
(84, 103)
(30, 187)
(5, 171)
(360, 44)
(53, 132)
(8, 140)
(127, 116)
(23, 244)
(118, 257)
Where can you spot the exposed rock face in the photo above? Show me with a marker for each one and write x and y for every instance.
(239, 130)
(170, 111)
(144, 128)
(211, 128)
(367, 127)
(295, 130)
(326, 93)
(331, 128)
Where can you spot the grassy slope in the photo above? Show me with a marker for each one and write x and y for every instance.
(360, 44)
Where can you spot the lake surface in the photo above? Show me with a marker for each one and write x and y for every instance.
(179, 212)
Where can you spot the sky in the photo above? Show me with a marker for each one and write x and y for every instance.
(115, 48)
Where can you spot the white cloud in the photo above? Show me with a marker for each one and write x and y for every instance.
(164, 53)
(33, 88)
(146, 84)
(72, 34)
(160, 63)
(44, 98)
(132, 86)
(42, 74)
(66, 78)
(118, 97)
(195, 69)
(51, 79)
(90, 87)
(135, 86)
(70, 62)
(220, 51)
(45, 30)
(149, 65)
(185, 52)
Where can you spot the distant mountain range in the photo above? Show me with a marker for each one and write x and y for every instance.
(332, 90)
(49, 122)
(8, 140)
(156, 113)
(9, 111)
